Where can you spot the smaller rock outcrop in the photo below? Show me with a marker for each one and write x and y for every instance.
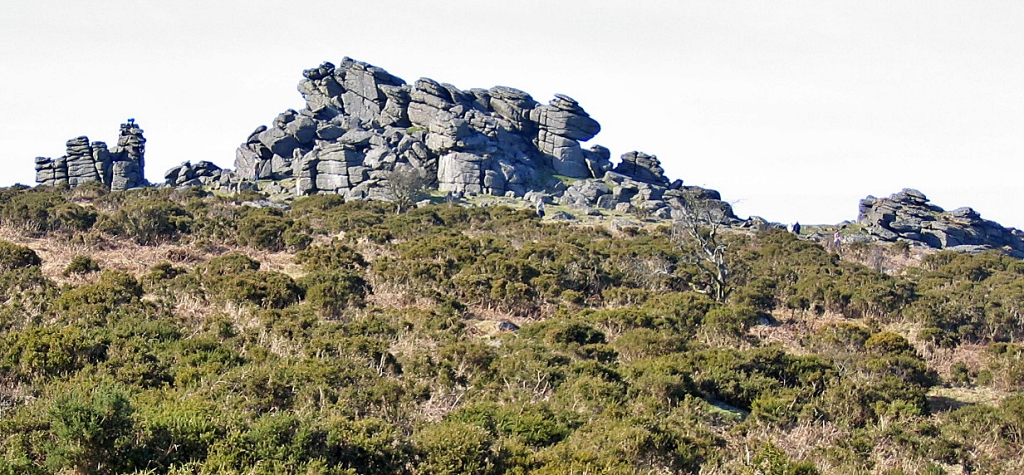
(909, 216)
(119, 169)
(203, 173)
(638, 185)
(642, 167)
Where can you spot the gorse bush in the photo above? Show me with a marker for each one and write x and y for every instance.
(147, 221)
(333, 291)
(39, 211)
(336, 256)
(974, 299)
(81, 265)
(236, 278)
(268, 229)
(13, 256)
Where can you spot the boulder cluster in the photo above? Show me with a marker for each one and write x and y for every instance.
(120, 168)
(638, 185)
(203, 174)
(361, 123)
(909, 216)
(366, 134)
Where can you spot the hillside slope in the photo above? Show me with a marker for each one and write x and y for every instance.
(176, 331)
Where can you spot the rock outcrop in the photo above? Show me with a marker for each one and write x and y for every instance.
(119, 169)
(909, 216)
(360, 123)
(203, 173)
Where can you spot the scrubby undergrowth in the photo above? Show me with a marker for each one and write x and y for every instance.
(171, 332)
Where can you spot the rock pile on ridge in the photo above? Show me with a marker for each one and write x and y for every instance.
(203, 173)
(909, 216)
(119, 169)
(360, 123)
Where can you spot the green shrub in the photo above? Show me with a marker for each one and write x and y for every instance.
(40, 210)
(48, 352)
(237, 278)
(264, 289)
(147, 221)
(332, 257)
(640, 343)
(13, 256)
(771, 460)
(573, 333)
(113, 287)
(162, 271)
(453, 448)
(227, 265)
(93, 432)
(268, 229)
(333, 291)
(731, 320)
(81, 265)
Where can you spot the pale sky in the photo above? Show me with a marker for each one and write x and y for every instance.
(793, 110)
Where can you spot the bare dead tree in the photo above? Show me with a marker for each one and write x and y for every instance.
(697, 227)
(405, 185)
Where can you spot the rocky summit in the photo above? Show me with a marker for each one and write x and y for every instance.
(361, 123)
(363, 129)
(909, 216)
(119, 169)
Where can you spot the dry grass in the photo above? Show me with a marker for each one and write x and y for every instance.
(791, 326)
(441, 402)
(943, 399)
(388, 295)
(886, 257)
(57, 252)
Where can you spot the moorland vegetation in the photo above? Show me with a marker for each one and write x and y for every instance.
(162, 331)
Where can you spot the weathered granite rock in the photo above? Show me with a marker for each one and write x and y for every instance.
(562, 123)
(129, 158)
(80, 162)
(642, 167)
(360, 123)
(203, 173)
(119, 169)
(908, 215)
(494, 141)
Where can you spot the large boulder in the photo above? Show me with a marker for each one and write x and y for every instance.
(642, 167)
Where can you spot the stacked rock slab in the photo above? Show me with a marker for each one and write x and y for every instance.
(129, 158)
(360, 122)
(642, 167)
(562, 123)
(909, 216)
(86, 161)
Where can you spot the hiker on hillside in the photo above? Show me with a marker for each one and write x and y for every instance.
(837, 240)
(540, 209)
(796, 228)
